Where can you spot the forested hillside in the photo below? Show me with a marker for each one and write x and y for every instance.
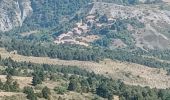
(50, 13)
(125, 49)
(129, 39)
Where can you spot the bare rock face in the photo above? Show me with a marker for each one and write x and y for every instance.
(13, 13)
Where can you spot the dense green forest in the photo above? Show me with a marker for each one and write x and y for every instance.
(81, 81)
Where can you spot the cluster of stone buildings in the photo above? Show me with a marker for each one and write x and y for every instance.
(79, 29)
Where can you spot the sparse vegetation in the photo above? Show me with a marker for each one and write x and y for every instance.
(9, 85)
(60, 90)
(90, 82)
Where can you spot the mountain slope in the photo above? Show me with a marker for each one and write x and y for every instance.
(36, 14)
(13, 13)
(45, 13)
(144, 26)
(130, 73)
(154, 34)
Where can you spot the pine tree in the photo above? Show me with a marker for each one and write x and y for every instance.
(6, 87)
(9, 79)
(46, 92)
(85, 86)
(41, 75)
(36, 80)
(1, 84)
(30, 93)
(15, 86)
(72, 85)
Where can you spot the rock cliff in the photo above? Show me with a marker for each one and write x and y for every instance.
(13, 13)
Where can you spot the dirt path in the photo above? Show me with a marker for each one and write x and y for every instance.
(130, 73)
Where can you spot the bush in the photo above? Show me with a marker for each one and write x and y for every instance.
(30, 93)
(60, 90)
(46, 92)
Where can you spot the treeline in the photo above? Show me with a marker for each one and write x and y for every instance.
(75, 52)
(39, 69)
(160, 54)
(65, 52)
(84, 82)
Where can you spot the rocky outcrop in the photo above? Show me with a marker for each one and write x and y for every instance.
(13, 13)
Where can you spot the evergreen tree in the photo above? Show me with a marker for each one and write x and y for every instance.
(9, 79)
(46, 93)
(30, 93)
(85, 86)
(6, 87)
(36, 80)
(15, 86)
(105, 90)
(41, 75)
(1, 84)
(73, 85)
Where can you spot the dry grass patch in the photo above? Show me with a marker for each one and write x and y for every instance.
(90, 38)
(53, 84)
(2, 94)
(12, 96)
(22, 81)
